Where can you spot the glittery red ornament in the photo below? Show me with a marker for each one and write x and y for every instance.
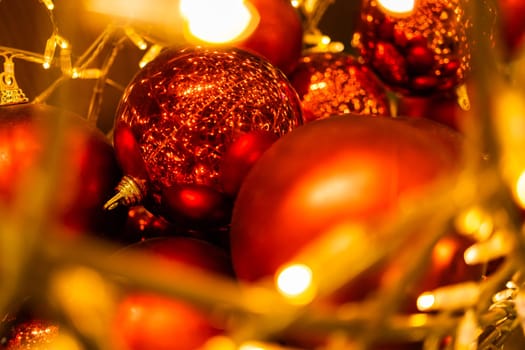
(154, 322)
(339, 169)
(417, 53)
(278, 35)
(335, 83)
(88, 170)
(179, 116)
(32, 334)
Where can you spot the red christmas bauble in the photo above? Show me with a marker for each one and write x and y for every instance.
(339, 169)
(149, 321)
(88, 167)
(179, 116)
(240, 157)
(186, 250)
(336, 83)
(421, 52)
(31, 334)
(141, 224)
(511, 24)
(279, 34)
(442, 109)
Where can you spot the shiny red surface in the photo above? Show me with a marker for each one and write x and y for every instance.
(419, 54)
(86, 171)
(279, 34)
(336, 83)
(340, 169)
(181, 113)
(154, 322)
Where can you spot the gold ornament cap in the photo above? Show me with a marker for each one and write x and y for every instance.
(10, 93)
(130, 192)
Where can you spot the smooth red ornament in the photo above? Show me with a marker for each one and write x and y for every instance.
(87, 173)
(512, 25)
(178, 118)
(336, 83)
(442, 109)
(422, 52)
(150, 322)
(186, 250)
(340, 169)
(279, 34)
(153, 322)
(141, 224)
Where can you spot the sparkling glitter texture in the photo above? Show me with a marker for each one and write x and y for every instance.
(32, 335)
(335, 83)
(187, 106)
(420, 54)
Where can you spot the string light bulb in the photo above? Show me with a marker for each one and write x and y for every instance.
(454, 297)
(48, 4)
(499, 245)
(397, 8)
(49, 52)
(295, 283)
(91, 73)
(520, 189)
(153, 51)
(61, 41)
(218, 22)
(135, 38)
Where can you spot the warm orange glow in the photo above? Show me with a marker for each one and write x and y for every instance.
(444, 251)
(218, 22)
(397, 7)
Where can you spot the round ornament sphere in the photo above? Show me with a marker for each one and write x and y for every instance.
(279, 34)
(141, 224)
(340, 169)
(417, 52)
(336, 83)
(85, 174)
(31, 334)
(154, 322)
(177, 119)
(512, 26)
(440, 108)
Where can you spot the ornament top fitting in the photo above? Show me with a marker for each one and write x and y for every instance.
(10, 93)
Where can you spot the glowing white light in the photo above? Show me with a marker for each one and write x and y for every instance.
(252, 346)
(520, 189)
(425, 301)
(295, 282)
(397, 7)
(216, 21)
